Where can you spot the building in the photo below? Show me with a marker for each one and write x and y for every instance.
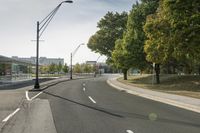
(43, 61)
(13, 70)
(91, 62)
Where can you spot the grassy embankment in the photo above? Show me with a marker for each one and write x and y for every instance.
(187, 85)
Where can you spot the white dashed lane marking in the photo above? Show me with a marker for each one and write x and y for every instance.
(92, 99)
(129, 131)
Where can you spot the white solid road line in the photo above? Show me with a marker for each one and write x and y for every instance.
(83, 88)
(27, 97)
(12, 114)
(92, 99)
(30, 99)
(129, 131)
(36, 95)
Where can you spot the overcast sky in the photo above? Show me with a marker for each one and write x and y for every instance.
(72, 25)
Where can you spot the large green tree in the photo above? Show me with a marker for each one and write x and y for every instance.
(120, 57)
(135, 37)
(173, 32)
(111, 28)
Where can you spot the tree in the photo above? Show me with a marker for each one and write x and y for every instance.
(173, 32)
(43, 69)
(157, 51)
(87, 68)
(135, 37)
(120, 58)
(111, 28)
(77, 68)
(184, 19)
(65, 68)
(52, 68)
(59, 67)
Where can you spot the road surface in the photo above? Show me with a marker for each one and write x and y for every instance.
(92, 106)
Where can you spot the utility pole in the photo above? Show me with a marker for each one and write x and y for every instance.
(37, 86)
(44, 23)
(71, 66)
(71, 55)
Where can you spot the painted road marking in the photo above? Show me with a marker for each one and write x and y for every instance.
(129, 131)
(83, 84)
(27, 97)
(92, 99)
(30, 99)
(83, 88)
(12, 114)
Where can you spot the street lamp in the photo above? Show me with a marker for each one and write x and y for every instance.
(71, 55)
(96, 66)
(41, 26)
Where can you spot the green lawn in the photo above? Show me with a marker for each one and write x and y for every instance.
(188, 85)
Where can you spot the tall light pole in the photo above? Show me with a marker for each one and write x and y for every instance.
(96, 66)
(41, 26)
(71, 56)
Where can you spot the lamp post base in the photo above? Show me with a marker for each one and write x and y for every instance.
(36, 86)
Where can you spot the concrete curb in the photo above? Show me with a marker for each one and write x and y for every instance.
(157, 98)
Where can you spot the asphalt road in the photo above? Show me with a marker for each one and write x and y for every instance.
(92, 106)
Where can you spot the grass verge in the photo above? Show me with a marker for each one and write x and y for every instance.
(186, 85)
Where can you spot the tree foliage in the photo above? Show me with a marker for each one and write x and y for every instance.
(111, 28)
(173, 32)
(135, 37)
(120, 58)
(65, 68)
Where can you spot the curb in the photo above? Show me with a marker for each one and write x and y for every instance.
(157, 98)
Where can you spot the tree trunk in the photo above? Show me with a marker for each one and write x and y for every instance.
(173, 69)
(125, 73)
(157, 70)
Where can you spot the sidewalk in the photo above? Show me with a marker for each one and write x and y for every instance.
(184, 102)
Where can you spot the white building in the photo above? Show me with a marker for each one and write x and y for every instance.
(42, 60)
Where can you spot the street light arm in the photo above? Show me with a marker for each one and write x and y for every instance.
(98, 58)
(45, 22)
(73, 53)
(67, 1)
(49, 17)
(49, 14)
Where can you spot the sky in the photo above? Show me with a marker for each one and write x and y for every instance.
(72, 25)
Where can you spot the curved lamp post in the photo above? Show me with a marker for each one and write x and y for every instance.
(41, 26)
(71, 55)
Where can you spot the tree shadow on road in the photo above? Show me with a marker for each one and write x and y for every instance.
(84, 105)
